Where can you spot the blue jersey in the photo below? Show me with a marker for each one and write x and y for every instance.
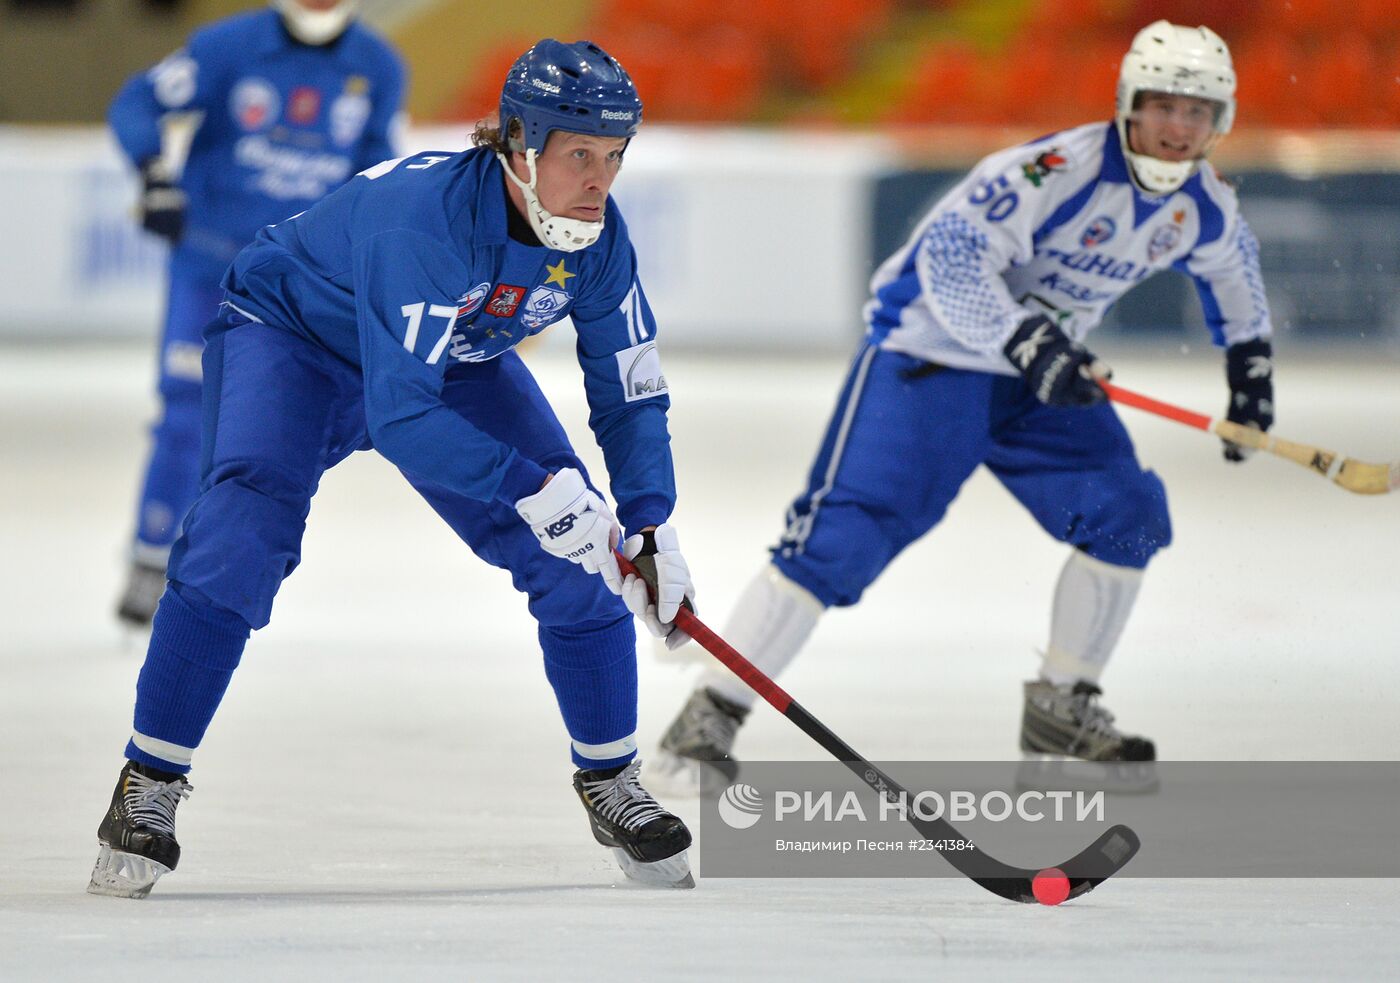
(281, 122)
(1056, 227)
(409, 270)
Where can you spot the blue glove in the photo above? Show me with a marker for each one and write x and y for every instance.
(1059, 371)
(1249, 368)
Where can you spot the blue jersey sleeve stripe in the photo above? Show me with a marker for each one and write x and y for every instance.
(893, 298)
(1068, 209)
(1210, 307)
(1212, 217)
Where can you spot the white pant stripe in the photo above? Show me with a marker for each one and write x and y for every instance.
(838, 448)
(252, 317)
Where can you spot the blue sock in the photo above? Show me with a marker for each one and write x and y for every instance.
(593, 669)
(194, 649)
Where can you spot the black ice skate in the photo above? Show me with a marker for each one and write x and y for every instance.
(695, 756)
(1063, 727)
(145, 583)
(137, 835)
(649, 843)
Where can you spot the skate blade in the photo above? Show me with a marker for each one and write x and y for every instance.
(673, 872)
(124, 875)
(1060, 772)
(671, 774)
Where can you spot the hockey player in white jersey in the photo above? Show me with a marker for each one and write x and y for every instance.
(974, 355)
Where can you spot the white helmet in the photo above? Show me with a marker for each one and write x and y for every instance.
(1183, 61)
(315, 27)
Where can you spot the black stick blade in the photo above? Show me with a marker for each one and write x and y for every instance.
(1088, 869)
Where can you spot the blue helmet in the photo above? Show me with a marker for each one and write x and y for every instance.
(577, 87)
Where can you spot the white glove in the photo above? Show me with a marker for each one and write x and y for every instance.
(573, 523)
(657, 554)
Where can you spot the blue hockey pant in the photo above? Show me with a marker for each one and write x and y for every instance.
(171, 479)
(904, 437)
(278, 413)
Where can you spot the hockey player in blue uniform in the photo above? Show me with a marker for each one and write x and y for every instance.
(974, 356)
(386, 316)
(290, 104)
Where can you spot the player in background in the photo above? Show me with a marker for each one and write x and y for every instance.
(386, 316)
(290, 103)
(974, 356)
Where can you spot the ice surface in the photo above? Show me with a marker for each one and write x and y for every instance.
(385, 792)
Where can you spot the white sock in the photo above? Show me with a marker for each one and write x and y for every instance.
(769, 626)
(1092, 602)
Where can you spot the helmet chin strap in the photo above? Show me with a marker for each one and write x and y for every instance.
(1152, 174)
(564, 234)
(315, 27)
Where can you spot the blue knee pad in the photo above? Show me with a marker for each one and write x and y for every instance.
(242, 538)
(844, 553)
(1131, 523)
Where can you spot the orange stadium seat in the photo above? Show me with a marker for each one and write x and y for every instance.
(945, 86)
(680, 16)
(1229, 20)
(646, 52)
(1388, 90)
(1269, 68)
(726, 89)
(1070, 18)
(1091, 82)
(730, 83)
(1377, 19)
(1342, 78)
(1026, 73)
(1304, 19)
(815, 43)
(1027, 85)
(480, 94)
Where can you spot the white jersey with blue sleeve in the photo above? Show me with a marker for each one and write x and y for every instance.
(1056, 227)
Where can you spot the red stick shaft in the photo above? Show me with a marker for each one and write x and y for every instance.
(1138, 401)
(730, 656)
(723, 651)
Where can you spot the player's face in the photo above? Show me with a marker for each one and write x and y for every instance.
(574, 173)
(1171, 127)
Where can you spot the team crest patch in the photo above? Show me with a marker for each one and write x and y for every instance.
(304, 105)
(471, 300)
(254, 103)
(544, 305)
(349, 114)
(1100, 230)
(1046, 163)
(505, 300)
(1164, 240)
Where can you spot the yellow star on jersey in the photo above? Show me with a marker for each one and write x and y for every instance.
(559, 275)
